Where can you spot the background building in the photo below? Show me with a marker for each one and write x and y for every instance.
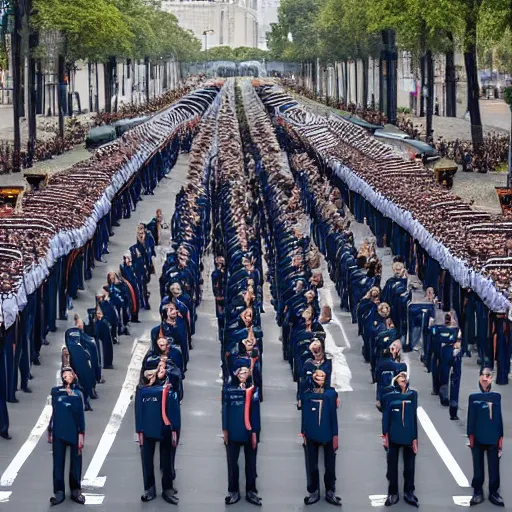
(234, 22)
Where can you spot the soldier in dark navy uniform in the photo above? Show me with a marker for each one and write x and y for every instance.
(400, 431)
(388, 367)
(485, 432)
(67, 428)
(158, 419)
(320, 429)
(241, 429)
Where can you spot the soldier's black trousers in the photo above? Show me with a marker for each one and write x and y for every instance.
(493, 465)
(233, 452)
(59, 461)
(167, 457)
(311, 449)
(409, 463)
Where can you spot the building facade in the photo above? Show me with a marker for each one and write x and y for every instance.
(233, 22)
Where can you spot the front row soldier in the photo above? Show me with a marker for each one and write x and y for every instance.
(158, 420)
(485, 432)
(67, 428)
(400, 430)
(241, 429)
(320, 429)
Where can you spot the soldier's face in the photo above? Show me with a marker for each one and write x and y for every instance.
(319, 378)
(99, 315)
(163, 344)
(243, 374)
(486, 378)
(67, 377)
(316, 348)
(247, 316)
(172, 313)
(176, 290)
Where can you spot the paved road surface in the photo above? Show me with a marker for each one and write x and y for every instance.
(201, 466)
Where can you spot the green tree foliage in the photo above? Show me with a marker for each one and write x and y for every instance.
(99, 29)
(298, 19)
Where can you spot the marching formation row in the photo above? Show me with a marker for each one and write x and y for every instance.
(258, 200)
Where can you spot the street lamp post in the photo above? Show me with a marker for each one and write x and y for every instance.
(205, 34)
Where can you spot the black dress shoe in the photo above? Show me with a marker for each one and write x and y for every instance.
(313, 497)
(88, 408)
(26, 389)
(434, 393)
(232, 498)
(108, 367)
(170, 497)
(411, 499)
(253, 498)
(476, 499)
(331, 498)
(58, 498)
(5, 435)
(496, 499)
(149, 495)
(36, 361)
(78, 497)
(391, 500)
(454, 418)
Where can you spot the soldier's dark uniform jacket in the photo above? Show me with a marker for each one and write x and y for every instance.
(387, 369)
(241, 413)
(68, 419)
(485, 421)
(319, 416)
(399, 418)
(148, 411)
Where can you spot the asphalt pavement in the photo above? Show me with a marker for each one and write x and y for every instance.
(113, 471)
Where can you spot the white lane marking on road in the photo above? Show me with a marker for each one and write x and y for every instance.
(91, 478)
(378, 500)
(462, 501)
(10, 474)
(442, 449)
(326, 294)
(4, 496)
(341, 374)
(93, 499)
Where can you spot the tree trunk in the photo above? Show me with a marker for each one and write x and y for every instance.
(108, 72)
(356, 83)
(477, 134)
(429, 64)
(346, 83)
(32, 98)
(337, 82)
(365, 82)
(61, 93)
(89, 83)
(16, 77)
(451, 82)
(97, 88)
(146, 62)
(470, 60)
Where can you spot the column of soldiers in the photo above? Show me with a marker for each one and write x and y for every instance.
(160, 391)
(88, 350)
(56, 216)
(294, 285)
(382, 318)
(237, 283)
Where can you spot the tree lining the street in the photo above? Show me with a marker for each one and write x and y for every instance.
(108, 30)
(343, 30)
